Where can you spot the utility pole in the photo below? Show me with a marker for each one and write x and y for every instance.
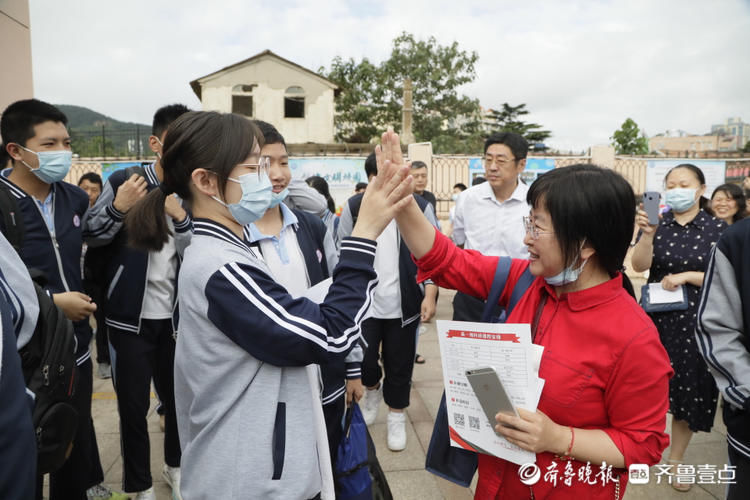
(407, 136)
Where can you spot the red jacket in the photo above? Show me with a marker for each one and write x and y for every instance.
(603, 363)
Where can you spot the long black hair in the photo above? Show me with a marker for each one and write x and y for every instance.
(591, 204)
(320, 185)
(198, 139)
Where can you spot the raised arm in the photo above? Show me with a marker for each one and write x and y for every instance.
(416, 230)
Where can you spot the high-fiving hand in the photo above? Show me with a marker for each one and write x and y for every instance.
(387, 193)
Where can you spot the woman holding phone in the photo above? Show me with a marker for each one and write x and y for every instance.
(676, 252)
(605, 396)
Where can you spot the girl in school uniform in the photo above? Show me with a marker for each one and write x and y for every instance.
(244, 402)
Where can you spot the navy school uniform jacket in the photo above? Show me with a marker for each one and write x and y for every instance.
(58, 255)
(240, 377)
(412, 292)
(723, 329)
(126, 271)
(17, 440)
(311, 233)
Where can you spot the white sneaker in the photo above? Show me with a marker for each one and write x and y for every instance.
(146, 495)
(172, 476)
(371, 404)
(396, 431)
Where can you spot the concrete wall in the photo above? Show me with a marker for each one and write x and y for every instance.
(272, 78)
(15, 38)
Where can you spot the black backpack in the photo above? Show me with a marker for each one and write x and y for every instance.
(48, 361)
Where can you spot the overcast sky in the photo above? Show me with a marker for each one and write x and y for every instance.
(581, 67)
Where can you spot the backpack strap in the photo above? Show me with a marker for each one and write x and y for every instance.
(498, 284)
(496, 290)
(12, 219)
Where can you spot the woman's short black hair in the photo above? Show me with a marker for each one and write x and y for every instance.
(587, 204)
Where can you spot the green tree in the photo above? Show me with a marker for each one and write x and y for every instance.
(508, 119)
(371, 95)
(629, 139)
(746, 149)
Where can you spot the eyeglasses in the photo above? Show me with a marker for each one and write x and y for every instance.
(263, 166)
(500, 160)
(531, 229)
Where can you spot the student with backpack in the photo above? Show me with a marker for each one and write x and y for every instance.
(243, 394)
(36, 138)
(299, 251)
(606, 402)
(141, 300)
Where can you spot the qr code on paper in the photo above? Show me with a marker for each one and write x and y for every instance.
(473, 423)
(459, 420)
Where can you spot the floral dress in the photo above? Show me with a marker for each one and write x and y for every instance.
(677, 248)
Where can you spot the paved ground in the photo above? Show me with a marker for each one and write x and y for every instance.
(404, 470)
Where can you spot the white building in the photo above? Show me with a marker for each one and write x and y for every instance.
(297, 101)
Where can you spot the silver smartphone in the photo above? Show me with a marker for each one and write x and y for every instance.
(651, 206)
(490, 392)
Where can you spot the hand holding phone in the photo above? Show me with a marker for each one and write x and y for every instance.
(490, 392)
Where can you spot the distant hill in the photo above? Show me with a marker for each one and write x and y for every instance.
(94, 134)
(80, 118)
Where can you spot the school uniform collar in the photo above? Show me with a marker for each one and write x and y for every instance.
(253, 234)
(16, 190)
(700, 221)
(590, 297)
(151, 176)
(207, 227)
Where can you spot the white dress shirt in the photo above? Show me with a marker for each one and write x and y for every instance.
(490, 226)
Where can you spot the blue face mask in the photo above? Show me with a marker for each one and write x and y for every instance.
(566, 276)
(53, 165)
(256, 198)
(277, 198)
(680, 199)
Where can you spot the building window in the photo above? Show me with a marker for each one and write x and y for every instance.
(294, 103)
(242, 99)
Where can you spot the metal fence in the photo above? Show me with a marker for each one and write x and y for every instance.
(446, 171)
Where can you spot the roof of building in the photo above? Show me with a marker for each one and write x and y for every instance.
(195, 84)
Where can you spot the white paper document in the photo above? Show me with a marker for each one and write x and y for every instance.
(658, 295)
(508, 349)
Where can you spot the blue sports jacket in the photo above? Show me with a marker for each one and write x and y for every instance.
(126, 272)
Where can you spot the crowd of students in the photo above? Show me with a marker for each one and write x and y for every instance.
(198, 269)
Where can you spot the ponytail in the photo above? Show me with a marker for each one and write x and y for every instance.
(146, 222)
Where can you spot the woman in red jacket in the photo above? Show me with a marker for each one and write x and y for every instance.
(606, 393)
